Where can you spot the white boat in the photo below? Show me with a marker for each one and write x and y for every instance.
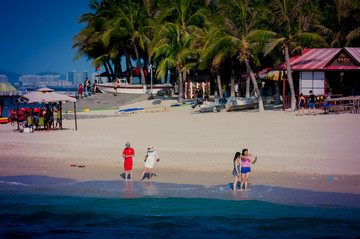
(125, 88)
(234, 104)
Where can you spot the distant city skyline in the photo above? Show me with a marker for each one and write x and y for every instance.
(36, 36)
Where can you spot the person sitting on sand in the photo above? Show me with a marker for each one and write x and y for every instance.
(245, 168)
(150, 158)
(236, 171)
(128, 154)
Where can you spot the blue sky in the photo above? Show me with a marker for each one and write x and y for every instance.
(36, 35)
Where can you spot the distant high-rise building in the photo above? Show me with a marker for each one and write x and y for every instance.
(29, 80)
(92, 77)
(83, 75)
(72, 77)
(3, 78)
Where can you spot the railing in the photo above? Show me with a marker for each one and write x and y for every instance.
(287, 102)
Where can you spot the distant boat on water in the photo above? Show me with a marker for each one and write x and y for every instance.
(126, 88)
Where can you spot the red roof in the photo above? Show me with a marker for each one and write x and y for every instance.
(324, 59)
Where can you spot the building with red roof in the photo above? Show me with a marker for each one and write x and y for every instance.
(326, 70)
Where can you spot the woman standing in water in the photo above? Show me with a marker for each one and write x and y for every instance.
(236, 171)
(150, 158)
(245, 167)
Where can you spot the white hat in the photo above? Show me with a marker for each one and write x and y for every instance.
(151, 148)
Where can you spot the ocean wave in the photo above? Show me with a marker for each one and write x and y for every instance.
(135, 189)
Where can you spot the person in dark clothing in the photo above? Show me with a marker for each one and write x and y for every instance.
(312, 102)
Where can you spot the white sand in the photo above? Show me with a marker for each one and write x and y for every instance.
(194, 147)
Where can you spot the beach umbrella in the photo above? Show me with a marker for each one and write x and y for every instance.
(272, 75)
(48, 96)
(45, 89)
(6, 87)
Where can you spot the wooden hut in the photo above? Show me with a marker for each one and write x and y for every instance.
(325, 71)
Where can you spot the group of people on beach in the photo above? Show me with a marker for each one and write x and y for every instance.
(150, 158)
(87, 88)
(311, 100)
(44, 117)
(242, 166)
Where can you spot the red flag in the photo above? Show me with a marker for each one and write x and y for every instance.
(99, 68)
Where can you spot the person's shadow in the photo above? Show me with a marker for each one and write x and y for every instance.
(147, 175)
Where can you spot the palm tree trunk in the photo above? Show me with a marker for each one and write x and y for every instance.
(218, 80)
(247, 93)
(107, 70)
(111, 70)
(181, 86)
(232, 86)
(140, 66)
(290, 79)
(128, 65)
(249, 69)
(232, 82)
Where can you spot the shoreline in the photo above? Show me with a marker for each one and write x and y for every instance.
(194, 148)
(313, 182)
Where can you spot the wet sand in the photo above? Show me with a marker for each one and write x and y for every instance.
(194, 148)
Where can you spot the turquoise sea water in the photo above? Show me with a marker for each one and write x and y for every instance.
(42, 207)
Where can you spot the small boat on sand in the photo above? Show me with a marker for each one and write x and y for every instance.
(125, 87)
(234, 104)
(229, 104)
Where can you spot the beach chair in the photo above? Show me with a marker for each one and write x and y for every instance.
(41, 122)
(30, 123)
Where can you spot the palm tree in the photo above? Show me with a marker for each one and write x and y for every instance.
(340, 21)
(127, 23)
(180, 19)
(239, 19)
(292, 21)
(213, 51)
(175, 50)
(89, 42)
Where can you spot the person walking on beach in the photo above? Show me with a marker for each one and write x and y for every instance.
(128, 154)
(301, 104)
(87, 86)
(245, 168)
(311, 102)
(236, 171)
(116, 84)
(150, 158)
(94, 86)
(80, 91)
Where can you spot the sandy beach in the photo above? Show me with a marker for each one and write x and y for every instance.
(195, 148)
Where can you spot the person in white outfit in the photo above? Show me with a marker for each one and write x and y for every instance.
(150, 159)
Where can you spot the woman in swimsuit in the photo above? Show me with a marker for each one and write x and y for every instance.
(245, 167)
(301, 104)
(236, 171)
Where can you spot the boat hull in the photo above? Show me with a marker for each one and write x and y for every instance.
(132, 89)
(242, 104)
